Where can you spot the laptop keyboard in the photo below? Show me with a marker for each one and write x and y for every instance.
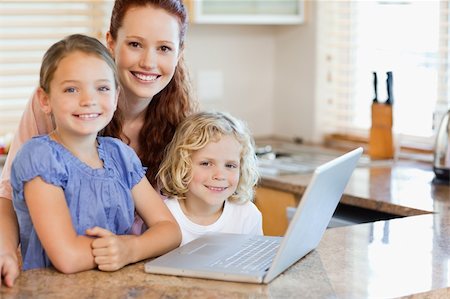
(256, 254)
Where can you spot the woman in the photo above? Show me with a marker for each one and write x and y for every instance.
(146, 38)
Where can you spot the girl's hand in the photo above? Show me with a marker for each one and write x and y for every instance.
(110, 251)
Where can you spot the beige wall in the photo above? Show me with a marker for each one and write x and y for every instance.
(267, 73)
(295, 99)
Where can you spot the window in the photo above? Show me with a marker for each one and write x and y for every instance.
(409, 38)
(27, 29)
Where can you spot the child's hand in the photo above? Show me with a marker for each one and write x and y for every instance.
(109, 250)
(9, 269)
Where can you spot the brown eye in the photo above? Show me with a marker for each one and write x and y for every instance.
(165, 49)
(134, 44)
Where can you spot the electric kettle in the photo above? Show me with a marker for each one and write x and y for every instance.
(441, 160)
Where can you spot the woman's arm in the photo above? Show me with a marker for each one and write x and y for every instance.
(32, 123)
(9, 238)
(68, 252)
(112, 252)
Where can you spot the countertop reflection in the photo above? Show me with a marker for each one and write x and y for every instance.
(389, 259)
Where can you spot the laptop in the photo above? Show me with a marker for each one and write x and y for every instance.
(259, 259)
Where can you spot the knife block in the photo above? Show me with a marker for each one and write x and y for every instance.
(381, 145)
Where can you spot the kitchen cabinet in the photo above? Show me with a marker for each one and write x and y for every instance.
(273, 205)
(261, 12)
(277, 208)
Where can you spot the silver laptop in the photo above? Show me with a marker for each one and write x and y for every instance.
(259, 259)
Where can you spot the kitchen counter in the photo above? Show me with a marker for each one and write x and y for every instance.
(405, 257)
(384, 259)
(400, 187)
(406, 188)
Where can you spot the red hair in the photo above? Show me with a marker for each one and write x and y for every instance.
(167, 108)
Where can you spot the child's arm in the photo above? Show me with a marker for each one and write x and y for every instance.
(163, 233)
(112, 252)
(51, 219)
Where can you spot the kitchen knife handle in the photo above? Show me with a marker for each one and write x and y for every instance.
(375, 83)
(389, 83)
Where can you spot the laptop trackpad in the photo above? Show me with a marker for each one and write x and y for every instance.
(204, 249)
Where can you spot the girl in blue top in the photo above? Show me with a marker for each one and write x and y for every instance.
(75, 193)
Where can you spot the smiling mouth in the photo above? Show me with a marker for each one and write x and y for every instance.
(87, 116)
(216, 188)
(146, 78)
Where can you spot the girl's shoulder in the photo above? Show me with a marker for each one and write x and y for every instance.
(171, 202)
(121, 157)
(38, 146)
(116, 143)
(112, 141)
(115, 147)
(40, 156)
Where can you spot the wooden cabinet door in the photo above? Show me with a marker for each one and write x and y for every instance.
(273, 204)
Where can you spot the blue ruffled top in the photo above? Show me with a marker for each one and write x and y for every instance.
(95, 197)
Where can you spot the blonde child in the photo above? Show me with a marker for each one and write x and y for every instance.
(208, 175)
(75, 193)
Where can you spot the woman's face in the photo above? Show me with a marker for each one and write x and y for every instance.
(146, 51)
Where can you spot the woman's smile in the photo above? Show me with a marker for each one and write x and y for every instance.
(145, 77)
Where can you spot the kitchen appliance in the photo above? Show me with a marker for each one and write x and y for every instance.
(441, 161)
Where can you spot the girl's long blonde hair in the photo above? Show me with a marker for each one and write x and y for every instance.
(194, 133)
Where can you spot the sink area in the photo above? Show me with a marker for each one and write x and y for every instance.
(291, 164)
(288, 159)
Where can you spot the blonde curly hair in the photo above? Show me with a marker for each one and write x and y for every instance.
(194, 133)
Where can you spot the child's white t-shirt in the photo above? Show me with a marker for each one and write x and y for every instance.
(236, 218)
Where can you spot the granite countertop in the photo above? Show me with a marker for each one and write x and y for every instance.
(400, 187)
(406, 188)
(405, 257)
(385, 259)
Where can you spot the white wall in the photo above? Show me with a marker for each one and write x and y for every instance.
(267, 73)
(295, 60)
